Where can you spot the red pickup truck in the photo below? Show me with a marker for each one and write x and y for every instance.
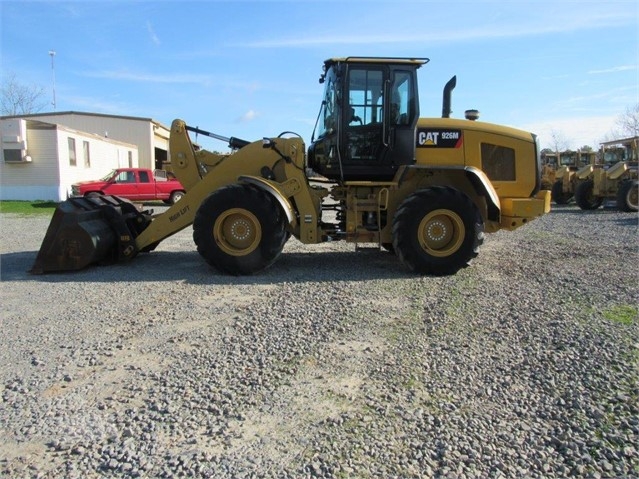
(136, 184)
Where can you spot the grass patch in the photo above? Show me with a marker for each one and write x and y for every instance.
(623, 314)
(28, 207)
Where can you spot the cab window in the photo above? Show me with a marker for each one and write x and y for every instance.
(365, 96)
(327, 117)
(402, 99)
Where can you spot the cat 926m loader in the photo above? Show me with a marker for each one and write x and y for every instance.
(425, 188)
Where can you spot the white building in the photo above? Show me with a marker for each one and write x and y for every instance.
(41, 160)
(150, 136)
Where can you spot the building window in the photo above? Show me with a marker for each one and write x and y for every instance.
(12, 156)
(72, 160)
(130, 159)
(87, 155)
(498, 162)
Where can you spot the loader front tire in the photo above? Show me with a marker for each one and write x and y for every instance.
(437, 231)
(628, 196)
(584, 196)
(239, 230)
(558, 195)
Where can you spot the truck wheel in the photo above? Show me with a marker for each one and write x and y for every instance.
(239, 230)
(584, 196)
(176, 196)
(437, 231)
(628, 196)
(558, 195)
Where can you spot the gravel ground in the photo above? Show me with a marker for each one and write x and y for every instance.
(332, 363)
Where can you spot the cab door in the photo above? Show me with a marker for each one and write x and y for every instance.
(380, 112)
(364, 145)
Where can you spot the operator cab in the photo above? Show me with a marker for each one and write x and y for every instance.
(366, 125)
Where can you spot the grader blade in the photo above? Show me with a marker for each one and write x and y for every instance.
(90, 230)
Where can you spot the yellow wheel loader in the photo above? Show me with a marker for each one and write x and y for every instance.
(565, 179)
(549, 165)
(614, 179)
(375, 173)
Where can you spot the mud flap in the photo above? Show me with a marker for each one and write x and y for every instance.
(90, 230)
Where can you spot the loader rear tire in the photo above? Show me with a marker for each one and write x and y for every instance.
(628, 196)
(584, 196)
(558, 195)
(239, 230)
(437, 231)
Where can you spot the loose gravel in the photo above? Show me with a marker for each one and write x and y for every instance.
(333, 363)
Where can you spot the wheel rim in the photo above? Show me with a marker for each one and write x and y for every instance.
(441, 232)
(237, 232)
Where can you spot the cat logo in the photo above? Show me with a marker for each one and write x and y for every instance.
(438, 138)
(428, 138)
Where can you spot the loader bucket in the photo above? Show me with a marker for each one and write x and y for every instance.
(90, 230)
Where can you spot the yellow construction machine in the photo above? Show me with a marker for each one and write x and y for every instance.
(549, 165)
(564, 176)
(375, 173)
(614, 178)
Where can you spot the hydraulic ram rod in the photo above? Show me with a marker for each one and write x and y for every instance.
(233, 142)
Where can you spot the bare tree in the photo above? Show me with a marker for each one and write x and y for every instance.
(20, 99)
(558, 141)
(628, 122)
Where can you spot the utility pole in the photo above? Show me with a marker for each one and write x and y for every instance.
(52, 53)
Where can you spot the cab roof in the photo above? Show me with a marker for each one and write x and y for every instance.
(388, 60)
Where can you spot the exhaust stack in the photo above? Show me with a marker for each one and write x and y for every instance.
(448, 88)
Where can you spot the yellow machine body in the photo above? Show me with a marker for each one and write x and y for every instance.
(425, 188)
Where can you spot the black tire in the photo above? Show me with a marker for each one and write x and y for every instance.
(437, 231)
(557, 193)
(239, 230)
(628, 196)
(584, 196)
(176, 196)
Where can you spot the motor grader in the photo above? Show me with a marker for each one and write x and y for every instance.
(375, 174)
(614, 178)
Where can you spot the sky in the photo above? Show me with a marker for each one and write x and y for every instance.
(565, 70)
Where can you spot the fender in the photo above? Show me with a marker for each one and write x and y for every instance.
(616, 170)
(274, 190)
(477, 178)
(585, 171)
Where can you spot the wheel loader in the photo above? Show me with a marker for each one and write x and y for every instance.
(613, 179)
(564, 178)
(375, 174)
